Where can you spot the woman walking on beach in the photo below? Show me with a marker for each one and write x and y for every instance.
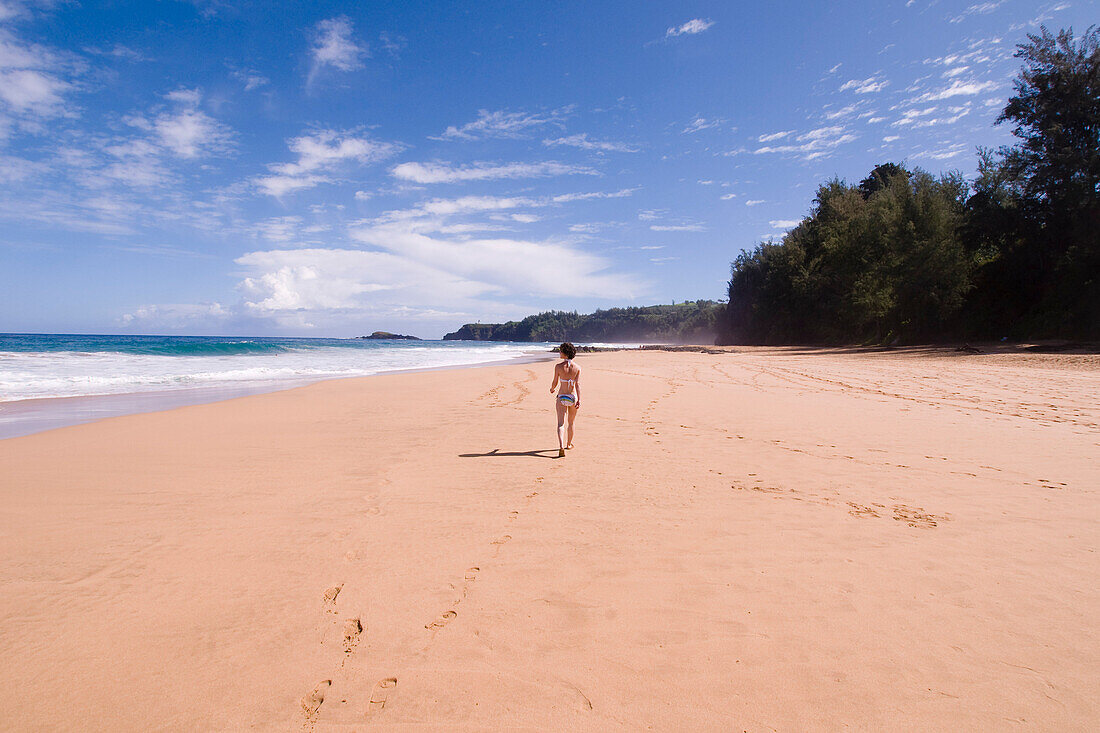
(568, 400)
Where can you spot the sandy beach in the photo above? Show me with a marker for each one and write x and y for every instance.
(759, 540)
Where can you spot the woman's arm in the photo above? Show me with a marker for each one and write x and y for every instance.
(577, 387)
(554, 384)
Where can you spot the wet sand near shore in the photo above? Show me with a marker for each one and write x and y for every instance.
(759, 540)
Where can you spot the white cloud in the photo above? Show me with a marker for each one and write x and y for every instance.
(582, 141)
(727, 196)
(566, 197)
(784, 223)
(424, 258)
(175, 315)
(186, 130)
(977, 9)
(503, 266)
(869, 85)
(693, 26)
(251, 79)
(446, 173)
(942, 153)
(677, 228)
(500, 124)
(774, 136)
(333, 45)
(31, 84)
(957, 89)
(754, 202)
(319, 154)
(842, 112)
(919, 118)
(701, 123)
(813, 144)
(280, 229)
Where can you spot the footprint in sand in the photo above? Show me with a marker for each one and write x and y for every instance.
(858, 510)
(471, 573)
(352, 629)
(383, 689)
(312, 702)
(330, 596)
(916, 517)
(443, 620)
(501, 540)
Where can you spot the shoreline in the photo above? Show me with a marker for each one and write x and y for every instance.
(38, 414)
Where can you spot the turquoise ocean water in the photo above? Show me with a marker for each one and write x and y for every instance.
(110, 375)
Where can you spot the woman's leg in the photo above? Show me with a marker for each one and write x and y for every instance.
(569, 434)
(561, 424)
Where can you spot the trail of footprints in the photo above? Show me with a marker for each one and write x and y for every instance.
(496, 398)
(912, 516)
(353, 630)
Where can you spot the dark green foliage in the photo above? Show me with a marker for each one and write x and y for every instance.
(689, 322)
(871, 263)
(1054, 174)
(906, 256)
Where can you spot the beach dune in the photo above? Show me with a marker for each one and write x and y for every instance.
(758, 540)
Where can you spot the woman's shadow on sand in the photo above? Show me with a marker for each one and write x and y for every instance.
(497, 452)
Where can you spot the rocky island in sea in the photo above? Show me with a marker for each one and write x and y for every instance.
(386, 335)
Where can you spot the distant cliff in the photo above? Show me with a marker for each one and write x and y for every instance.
(688, 322)
(390, 336)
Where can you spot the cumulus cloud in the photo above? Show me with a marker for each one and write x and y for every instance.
(505, 266)
(500, 124)
(581, 141)
(446, 173)
(332, 45)
(784, 223)
(693, 26)
(431, 256)
(421, 260)
(320, 154)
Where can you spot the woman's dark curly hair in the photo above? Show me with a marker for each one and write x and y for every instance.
(567, 350)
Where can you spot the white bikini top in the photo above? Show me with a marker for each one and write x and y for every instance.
(563, 380)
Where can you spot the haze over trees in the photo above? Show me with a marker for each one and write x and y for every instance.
(689, 322)
(909, 256)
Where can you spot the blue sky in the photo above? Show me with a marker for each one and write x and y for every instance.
(334, 168)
